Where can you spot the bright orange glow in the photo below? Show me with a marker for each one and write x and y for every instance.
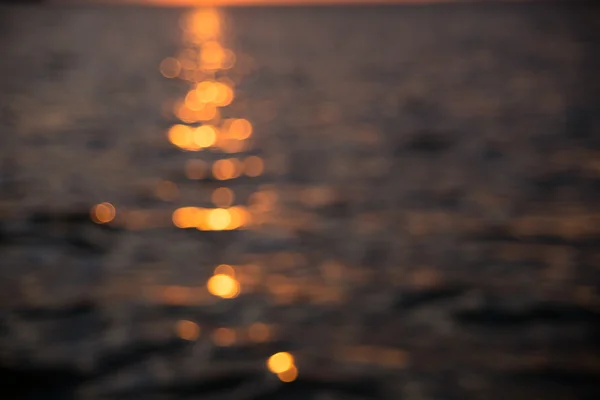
(280, 362)
(207, 91)
(224, 337)
(205, 136)
(221, 3)
(170, 67)
(224, 95)
(202, 24)
(239, 217)
(208, 113)
(218, 219)
(181, 136)
(224, 269)
(224, 286)
(184, 113)
(167, 191)
(193, 101)
(187, 330)
(212, 55)
(253, 166)
(259, 332)
(103, 213)
(179, 218)
(222, 197)
(196, 169)
(240, 129)
(226, 169)
(289, 375)
(188, 217)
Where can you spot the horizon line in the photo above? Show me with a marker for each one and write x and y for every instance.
(295, 3)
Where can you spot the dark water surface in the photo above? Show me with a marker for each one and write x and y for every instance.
(426, 225)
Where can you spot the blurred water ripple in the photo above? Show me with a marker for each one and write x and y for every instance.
(300, 203)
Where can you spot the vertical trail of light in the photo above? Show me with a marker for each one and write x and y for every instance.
(204, 62)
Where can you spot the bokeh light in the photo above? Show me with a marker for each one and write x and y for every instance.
(240, 129)
(193, 101)
(202, 24)
(170, 67)
(212, 55)
(205, 136)
(223, 286)
(229, 168)
(253, 166)
(224, 95)
(181, 136)
(223, 197)
(187, 330)
(280, 362)
(189, 217)
(219, 219)
(207, 91)
(224, 269)
(103, 213)
(238, 217)
(289, 375)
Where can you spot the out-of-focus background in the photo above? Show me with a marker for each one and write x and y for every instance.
(367, 202)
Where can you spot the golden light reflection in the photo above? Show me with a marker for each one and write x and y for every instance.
(193, 101)
(207, 91)
(218, 219)
(199, 63)
(187, 330)
(224, 337)
(253, 166)
(103, 213)
(224, 95)
(205, 136)
(223, 286)
(170, 67)
(224, 269)
(181, 136)
(280, 362)
(212, 56)
(202, 24)
(188, 217)
(229, 168)
(240, 129)
(288, 376)
(239, 217)
(223, 197)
